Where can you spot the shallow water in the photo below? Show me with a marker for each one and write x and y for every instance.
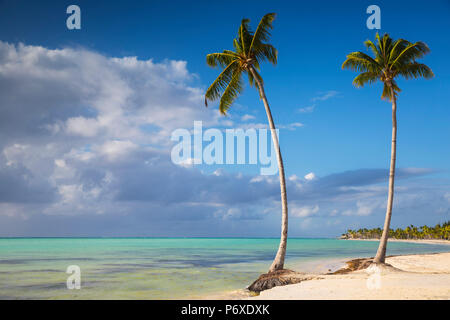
(162, 268)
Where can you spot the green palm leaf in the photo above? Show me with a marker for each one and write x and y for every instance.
(250, 50)
(220, 59)
(392, 58)
(411, 53)
(232, 91)
(415, 70)
(244, 36)
(262, 32)
(365, 78)
(221, 82)
(265, 52)
(359, 61)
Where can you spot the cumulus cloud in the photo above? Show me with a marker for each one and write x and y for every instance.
(85, 127)
(304, 211)
(85, 150)
(88, 134)
(84, 94)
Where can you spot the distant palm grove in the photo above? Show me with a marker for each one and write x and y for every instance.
(439, 231)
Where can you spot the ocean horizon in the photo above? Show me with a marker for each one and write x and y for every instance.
(165, 267)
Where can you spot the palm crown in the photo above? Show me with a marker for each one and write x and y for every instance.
(392, 59)
(250, 49)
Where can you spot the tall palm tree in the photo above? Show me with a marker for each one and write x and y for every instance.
(250, 50)
(392, 58)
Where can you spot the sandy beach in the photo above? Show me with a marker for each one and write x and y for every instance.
(421, 276)
(425, 241)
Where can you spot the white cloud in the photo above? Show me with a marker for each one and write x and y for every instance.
(310, 176)
(14, 153)
(116, 148)
(72, 109)
(307, 109)
(85, 134)
(321, 97)
(91, 95)
(60, 163)
(325, 95)
(103, 144)
(364, 208)
(85, 127)
(304, 211)
(247, 117)
(290, 126)
(189, 163)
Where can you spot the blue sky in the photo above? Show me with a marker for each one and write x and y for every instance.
(344, 137)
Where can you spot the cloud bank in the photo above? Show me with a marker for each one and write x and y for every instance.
(85, 151)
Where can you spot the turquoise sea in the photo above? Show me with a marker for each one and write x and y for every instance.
(164, 268)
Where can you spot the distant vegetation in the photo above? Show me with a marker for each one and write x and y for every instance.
(439, 231)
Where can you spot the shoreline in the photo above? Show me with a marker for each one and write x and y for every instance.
(415, 276)
(313, 268)
(423, 241)
(329, 267)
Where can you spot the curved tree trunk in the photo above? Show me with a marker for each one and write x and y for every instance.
(381, 252)
(278, 262)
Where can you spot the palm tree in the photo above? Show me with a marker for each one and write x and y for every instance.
(250, 50)
(392, 59)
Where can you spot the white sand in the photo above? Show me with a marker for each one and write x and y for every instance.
(414, 277)
(430, 241)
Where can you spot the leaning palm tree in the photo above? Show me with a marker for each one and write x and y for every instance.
(392, 58)
(250, 49)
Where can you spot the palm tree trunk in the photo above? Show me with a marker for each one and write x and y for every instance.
(381, 252)
(278, 262)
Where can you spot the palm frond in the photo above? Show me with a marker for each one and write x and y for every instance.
(232, 91)
(265, 52)
(230, 52)
(250, 49)
(392, 58)
(361, 62)
(411, 53)
(222, 59)
(387, 93)
(398, 46)
(256, 65)
(237, 46)
(386, 48)
(244, 36)
(253, 81)
(379, 43)
(375, 50)
(221, 82)
(415, 70)
(262, 32)
(365, 78)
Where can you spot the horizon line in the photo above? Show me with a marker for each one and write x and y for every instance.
(151, 237)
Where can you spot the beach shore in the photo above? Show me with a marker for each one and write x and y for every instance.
(429, 241)
(421, 276)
